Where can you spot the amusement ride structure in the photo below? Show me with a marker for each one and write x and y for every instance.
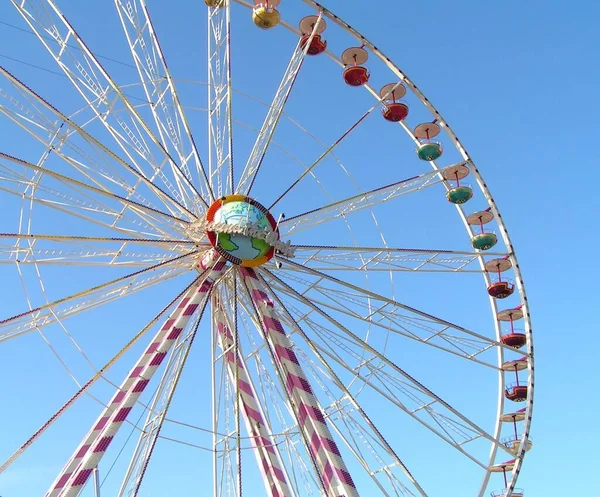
(336, 359)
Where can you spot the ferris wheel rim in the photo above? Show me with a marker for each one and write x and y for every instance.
(494, 208)
(508, 243)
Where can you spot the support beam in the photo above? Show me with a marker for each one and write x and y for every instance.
(75, 474)
(323, 449)
(265, 449)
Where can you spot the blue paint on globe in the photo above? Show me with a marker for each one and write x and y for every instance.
(242, 214)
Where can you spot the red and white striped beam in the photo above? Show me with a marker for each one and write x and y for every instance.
(333, 472)
(75, 474)
(264, 448)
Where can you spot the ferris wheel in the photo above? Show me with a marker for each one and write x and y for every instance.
(225, 284)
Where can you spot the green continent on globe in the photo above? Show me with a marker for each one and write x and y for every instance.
(260, 245)
(226, 243)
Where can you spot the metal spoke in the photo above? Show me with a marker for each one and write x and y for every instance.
(333, 258)
(160, 90)
(102, 93)
(102, 176)
(370, 373)
(135, 206)
(79, 302)
(367, 200)
(332, 376)
(324, 451)
(81, 207)
(389, 380)
(88, 251)
(385, 300)
(88, 258)
(159, 408)
(76, 198)
(86, 387)
(36, 124)
(74, 475)
(220, 118)
(84, 239)
(391, 318)
(331, 148)
(274, 114)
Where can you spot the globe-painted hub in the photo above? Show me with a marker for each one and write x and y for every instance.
(241, 213)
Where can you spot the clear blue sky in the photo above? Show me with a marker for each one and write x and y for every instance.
(518, 82)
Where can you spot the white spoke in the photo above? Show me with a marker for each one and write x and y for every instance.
(220, 119)
(130, 203)
(332, 258)
(159, 407)
(74, 475)
(86, 387)
(274, 114)
(79, 302)
(174, 130)
(103, 95)
(353, 403)
(390, 317)
(83, 200)
(367, 200)
(168, 244)
(393, 315)
(101, 172)
(386, 378)
(88, 251)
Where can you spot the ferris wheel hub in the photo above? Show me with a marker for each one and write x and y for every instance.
(242, 230)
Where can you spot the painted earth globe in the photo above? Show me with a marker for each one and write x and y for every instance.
(236, 247)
